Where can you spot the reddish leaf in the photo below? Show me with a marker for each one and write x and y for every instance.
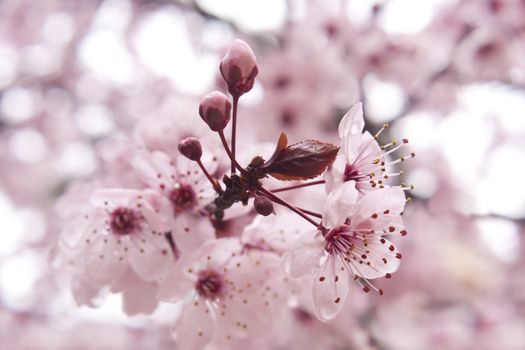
(300, 161)
(281, 145)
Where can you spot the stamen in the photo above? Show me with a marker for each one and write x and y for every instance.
(384, 127)
(393, 143)
(393, 150)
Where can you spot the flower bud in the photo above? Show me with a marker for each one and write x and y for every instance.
(239, 67)
(215, 110)
(263, 206)
(191, 148)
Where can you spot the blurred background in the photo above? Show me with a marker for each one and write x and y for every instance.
(449, 75)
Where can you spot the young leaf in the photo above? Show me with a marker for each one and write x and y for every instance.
(281, 145)
(300, 161)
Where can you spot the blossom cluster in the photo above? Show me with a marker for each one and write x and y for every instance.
(173, 219)
(89, 91)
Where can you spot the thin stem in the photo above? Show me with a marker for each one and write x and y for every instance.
(278, 200)
(227, 148)
(234, 128)
(213, 181)
(287, 188)
(311, 213)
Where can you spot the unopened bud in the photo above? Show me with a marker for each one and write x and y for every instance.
(191, 148)
(215, 110)
(239, 67)
(263, 206)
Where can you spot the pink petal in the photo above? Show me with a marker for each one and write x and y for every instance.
(191, 231)
(350, 130)
(139, 296)
(157, 210)
(213, 254)
(102, 261)
(194, 328)
(305, 254)
(150, 256)
(177, 284)
(74, 234)
(382, 258)
(330, 289)
(154, 169)
(341, 203)
(335, 175)
(255, 295)
(84, 293)
(380, 209)
(367, 152)
(113, 197)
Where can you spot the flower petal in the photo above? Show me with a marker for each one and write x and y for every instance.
(351, 129)
(251, 296)
(177, 285)
(374, 260)
(194, 328)
(335, 174)
(138, 296)
(150, 256)
(103, 263)
(305, 254)
(113, 197)
(341, 204)
(380, 209)
(154, 169)
(191, 231)
(330, 289)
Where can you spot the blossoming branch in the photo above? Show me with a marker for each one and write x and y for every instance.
(157, 227)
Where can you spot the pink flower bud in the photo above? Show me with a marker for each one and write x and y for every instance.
(215, 110)
(263, 206)
(239, 67)
(191, 148)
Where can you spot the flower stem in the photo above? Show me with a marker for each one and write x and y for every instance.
(213, 181)
(287, 188)
(230, 155)
(278, 200)
(234, 129)
(311, 213)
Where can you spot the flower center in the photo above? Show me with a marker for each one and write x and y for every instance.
(337, 239)
(351, 173)
(183, 198)
(209, 285)
(123, 221)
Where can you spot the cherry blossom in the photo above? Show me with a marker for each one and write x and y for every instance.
(122, 230)
(185, 190)
(101, 101)
(353, 244)
(363, 160)
(232, 293)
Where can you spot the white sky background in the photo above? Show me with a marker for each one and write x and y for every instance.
(463, 136)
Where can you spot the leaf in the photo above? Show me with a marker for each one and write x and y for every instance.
(281, 145)
(300, 161)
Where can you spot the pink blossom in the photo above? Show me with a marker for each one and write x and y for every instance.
(362, 159)
(233, 294)
(185, 194)
(122, 230)
(353, 244)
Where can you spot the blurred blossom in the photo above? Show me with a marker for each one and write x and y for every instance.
(98, 95)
